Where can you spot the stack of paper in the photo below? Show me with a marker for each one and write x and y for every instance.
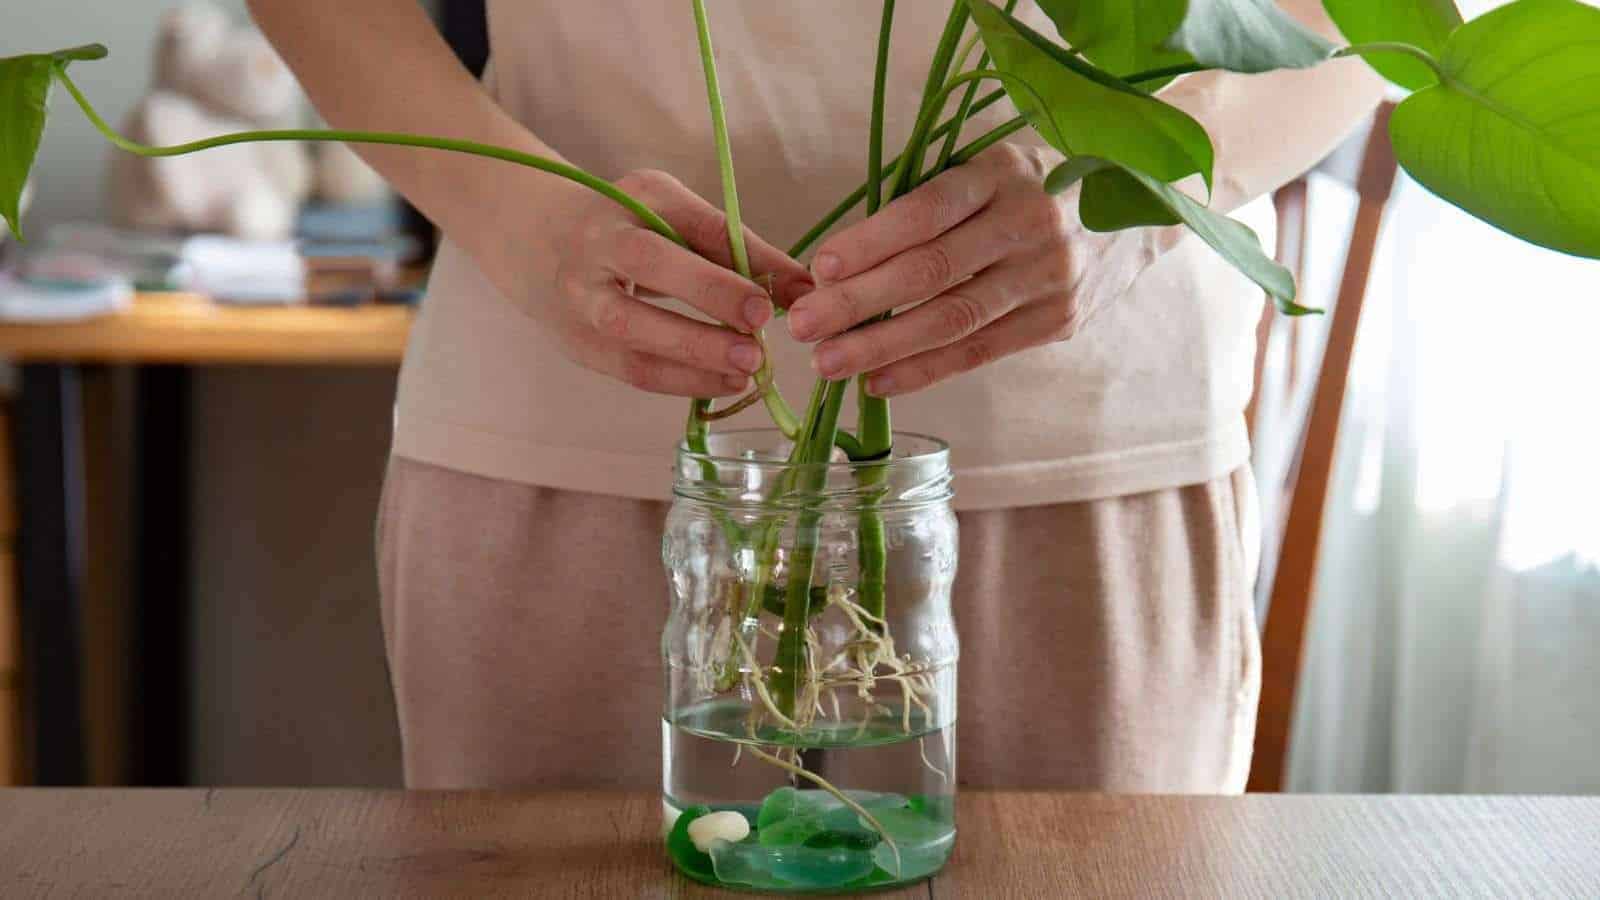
(252, 272)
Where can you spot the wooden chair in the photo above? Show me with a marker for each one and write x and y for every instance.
(1296, 534)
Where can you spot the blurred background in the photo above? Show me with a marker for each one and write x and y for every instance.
(187, 590)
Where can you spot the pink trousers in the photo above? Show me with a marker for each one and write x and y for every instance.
(1107, 645)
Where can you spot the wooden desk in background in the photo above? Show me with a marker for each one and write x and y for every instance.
(43, 499)
(1028, 846)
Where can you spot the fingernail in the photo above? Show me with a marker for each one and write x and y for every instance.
(736, 383)
(880, 385)
(803, 323)
(757, 312)
(827, 266)
(745, 356)
(829, 361)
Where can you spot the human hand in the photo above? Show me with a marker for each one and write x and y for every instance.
(606, 261)
(995, 258)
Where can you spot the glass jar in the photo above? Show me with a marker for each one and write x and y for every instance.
(811, 666)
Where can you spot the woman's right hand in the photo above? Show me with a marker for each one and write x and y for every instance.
(605, 261)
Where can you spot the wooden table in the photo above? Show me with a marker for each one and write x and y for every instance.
(341, 844)
(163, 334)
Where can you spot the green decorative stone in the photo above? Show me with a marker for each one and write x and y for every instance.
(789, 832)
(744, 863)
(916, 860)
(683, 851)
(910, 828)
(811, 867)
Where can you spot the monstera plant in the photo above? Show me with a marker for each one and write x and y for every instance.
(1502, 120)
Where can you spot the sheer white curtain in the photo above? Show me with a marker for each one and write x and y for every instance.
(1455, 634)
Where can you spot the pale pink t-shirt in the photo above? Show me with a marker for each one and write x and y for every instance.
(1149, 395)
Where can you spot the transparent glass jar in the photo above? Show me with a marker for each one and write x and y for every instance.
(836, 749)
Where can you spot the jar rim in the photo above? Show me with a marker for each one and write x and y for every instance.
(928, 449)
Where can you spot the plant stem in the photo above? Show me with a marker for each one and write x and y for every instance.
(860, 193)
(965, 109)
(719, 126)
(779, 410)
(879, 89)
(572, 173)
(933, 97)
(813, 455)
(987, 100)
(1166, 72)
(1396, 47)
(989, 139)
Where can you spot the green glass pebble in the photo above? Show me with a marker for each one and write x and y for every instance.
(910, 828)
(787, 802)
(812, 867)
(916, 860)
(938, 806)
(859, 839)
(789, 832)
(683, 851)
(745, 863)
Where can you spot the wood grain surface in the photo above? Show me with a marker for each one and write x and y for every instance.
(187, 328)
(349, 844)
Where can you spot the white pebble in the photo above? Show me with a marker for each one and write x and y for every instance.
(718, 826)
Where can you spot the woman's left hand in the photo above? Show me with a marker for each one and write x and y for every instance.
(996, 259)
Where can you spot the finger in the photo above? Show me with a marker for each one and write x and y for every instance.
(915, 275)
(917, 218)
(649, 329)
(944, 320)
(1029, 326)
(662, 376)
(789, 281)
(652, 262)
(705, 228)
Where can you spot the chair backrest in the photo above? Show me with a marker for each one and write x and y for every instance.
(1292, 539)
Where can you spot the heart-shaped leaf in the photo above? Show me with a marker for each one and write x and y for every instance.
(1122, 36)
(1420, 23)
(24, 101)
(24, 94)
(1512, 132)
(1115, 197)
(1248, 36)
(1084, 112)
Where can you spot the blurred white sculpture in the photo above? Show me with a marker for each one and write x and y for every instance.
(212, 77)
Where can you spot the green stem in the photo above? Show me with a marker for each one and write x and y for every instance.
(1396, 47)
(889, 168)
(989, 139)
(855, 197)
(934, 94)
(1166, 72)
(877, 436)
(793, 662)
(782, 415)
(599, 185)
(879, 89)
(719, 125)
(965, 109)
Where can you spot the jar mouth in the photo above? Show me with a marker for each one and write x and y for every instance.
(750, 469)
(767, 447)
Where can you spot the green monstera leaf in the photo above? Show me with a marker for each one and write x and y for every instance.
(1425, 24)
(24, 99)
(1115, 197)
(1082, 111)
(1511, 134)
(1247, 36)
(1123, 36)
